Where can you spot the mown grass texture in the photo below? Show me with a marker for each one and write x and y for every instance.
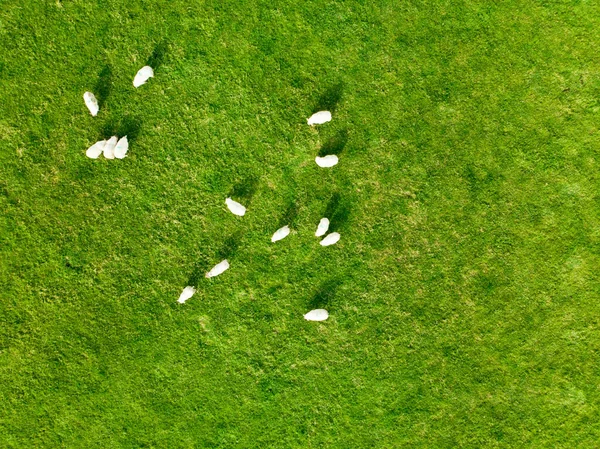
(463, 295)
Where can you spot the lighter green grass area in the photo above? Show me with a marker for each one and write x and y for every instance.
(463, 295)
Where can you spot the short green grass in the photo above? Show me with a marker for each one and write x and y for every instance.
(463, 295)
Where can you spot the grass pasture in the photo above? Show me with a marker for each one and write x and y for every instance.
(463, 295)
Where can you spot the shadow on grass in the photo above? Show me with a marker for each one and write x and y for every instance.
(104, 85)
(289, 216)
(127, 126)
(244, 190)
(227, 251)
(200, 268)
(230, 247)
(337, 211)
(158, 56)
(329, 100)
(324, 295)
(336, 144)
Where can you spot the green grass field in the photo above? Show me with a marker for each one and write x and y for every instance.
(463, 295)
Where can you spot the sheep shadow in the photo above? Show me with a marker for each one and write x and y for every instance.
(198, 273)
(104, 85)
(245, 189)
(336, 144)
(229, 248)
(158, 56)
(337, 211)
(329, 100)
(226, 251)
(127, 126)
(323, 297)
(289, 216)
